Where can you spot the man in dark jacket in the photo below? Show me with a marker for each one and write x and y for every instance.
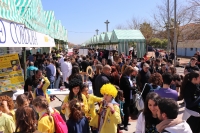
(84, 64)
(143, 76)
(102, 79)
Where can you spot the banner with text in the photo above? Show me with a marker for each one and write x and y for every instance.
(11, 76)
(16, 35)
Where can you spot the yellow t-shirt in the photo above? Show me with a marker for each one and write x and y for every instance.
(85, 109)
(44, 123)
(7, 124)
(91, 105)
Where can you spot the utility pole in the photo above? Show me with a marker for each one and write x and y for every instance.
(107, 22)
(175, 35)
(97, 31)
(168, 28)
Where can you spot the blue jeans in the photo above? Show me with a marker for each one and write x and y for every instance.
(56, 85)
(51, 86)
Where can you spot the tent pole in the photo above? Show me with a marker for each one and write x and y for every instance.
(24, 53)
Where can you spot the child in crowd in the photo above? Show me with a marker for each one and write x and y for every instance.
(45, 123)
(77, 122)
(120, 100)
(75, 93)
(91, 100)
(109, 114)
(7, 124)
(7, 106)
(25, 120)
(23, 101)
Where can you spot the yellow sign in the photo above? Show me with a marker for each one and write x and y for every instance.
(46, 39)
(11, 76)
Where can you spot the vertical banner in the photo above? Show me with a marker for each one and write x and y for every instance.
(11, 76)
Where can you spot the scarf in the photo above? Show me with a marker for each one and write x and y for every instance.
(167, 123)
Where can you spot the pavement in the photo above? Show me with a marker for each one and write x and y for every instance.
(56, 104)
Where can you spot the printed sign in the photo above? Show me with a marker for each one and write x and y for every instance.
(16, 35)
(11, 76)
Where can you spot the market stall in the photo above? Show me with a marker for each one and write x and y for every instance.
(123, 37)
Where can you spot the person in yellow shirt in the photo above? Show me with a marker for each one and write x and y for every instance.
(7, 106)
(109, 114)
(7, 124)
(45, 85)
(75, 93)
(45, 122)
(91, 100)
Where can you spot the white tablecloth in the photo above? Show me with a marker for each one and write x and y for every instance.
(52, 91)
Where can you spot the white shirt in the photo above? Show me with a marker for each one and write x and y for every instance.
(140, 126)
(61, 60)
(64, 67)
(69, 69)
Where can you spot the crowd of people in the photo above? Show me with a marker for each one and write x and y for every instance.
(116, 79)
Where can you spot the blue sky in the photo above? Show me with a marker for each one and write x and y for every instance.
(88, 15)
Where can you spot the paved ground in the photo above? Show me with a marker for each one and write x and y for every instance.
(56, 104)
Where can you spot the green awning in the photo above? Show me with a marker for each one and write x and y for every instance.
(127, 36)
(9, 11)
(49, 18)
(101, 38)
(33, 15)
(97, 39)
(107, 37)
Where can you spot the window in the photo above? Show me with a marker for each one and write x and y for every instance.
(191, 49)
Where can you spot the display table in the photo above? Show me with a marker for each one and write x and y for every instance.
(51, 92)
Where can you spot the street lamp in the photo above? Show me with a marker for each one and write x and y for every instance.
(168, 31)
(107, 22)
(175, 34)
(97, 31)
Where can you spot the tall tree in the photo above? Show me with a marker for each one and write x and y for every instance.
(185, 15)
(147, 31)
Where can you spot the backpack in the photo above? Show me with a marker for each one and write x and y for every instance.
(60, 124)
(152, 89)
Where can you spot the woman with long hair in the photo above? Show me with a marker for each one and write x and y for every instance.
(75, 74)
(75, 93)
(129, 89)
(115, 77)
(190, 92)
(45, 123)
(148, 120)
(25, 120)
(77, 122)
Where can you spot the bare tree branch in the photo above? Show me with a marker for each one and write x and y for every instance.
(134, 23)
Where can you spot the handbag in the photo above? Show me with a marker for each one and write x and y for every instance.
(139, 103)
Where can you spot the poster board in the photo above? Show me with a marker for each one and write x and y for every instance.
(83, 52)
(11, 76)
